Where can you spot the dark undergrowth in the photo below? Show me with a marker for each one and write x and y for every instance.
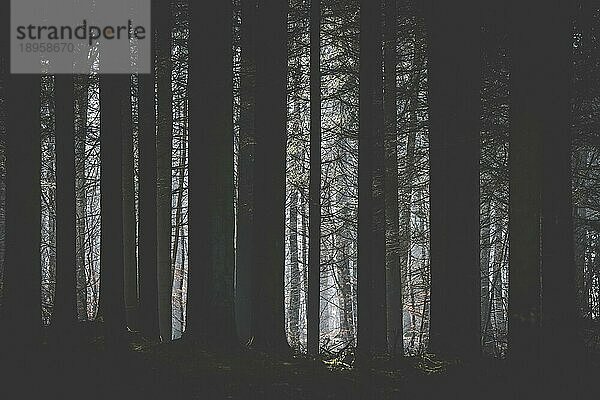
(184, 370)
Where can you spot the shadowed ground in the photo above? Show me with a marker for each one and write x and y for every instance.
(184, 370)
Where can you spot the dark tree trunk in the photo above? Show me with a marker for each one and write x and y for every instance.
(268, 323)
(164, 121)
(113, 90)
(147, 240)
(367, 269)
(392, 218)
(454, 104)
(559, 299)
(541, 231)
(211, 215)
(64, 315)
(314, 194)
(21, 306)
(486, 247)
(294, 307)
(81, 108)
(20, 315)
(370, 45)
(245, 203)
(4, 76)
(129, 220)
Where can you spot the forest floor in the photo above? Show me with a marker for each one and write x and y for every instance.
(184, 370)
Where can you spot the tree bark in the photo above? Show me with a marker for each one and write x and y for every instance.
(369, 46)
(541, 231)
(112, 298)
(245, 203)
(392, 263)
(486, 247)
(268, 323)
(294, 307)
(211, 215)
(147, 203)
(314, 194)
(21, 307)
(454, 104)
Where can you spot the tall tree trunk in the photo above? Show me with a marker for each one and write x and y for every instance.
(147, 203)
(486, 247)
(294, 307)
(314, 194)
(211, 309)
(81, 108)
(392, 218)
(268, 323)
(4, 76)
(129, 220)
(581, 278)
(369, 47)
(378, 192)
(304, 241)
(20, 319)
(245, 203)
(541, 232)
(454, 104)
(500, 250)
(113, 91)
(345, 281)
(163, 167)
(178, 273)
(559, 297)
(64, 315)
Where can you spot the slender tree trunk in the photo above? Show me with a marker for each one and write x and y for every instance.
(345, 282)
(81, 108)
(304, 221)
(245, 203)
(500, 250)
(392, 218)
(129, 220)
(314, 195)
(20, 319)
(559, 297)
(581, 278)
(211, 215)
(4, 76)
(454, 103)
(367, 268)
(147, 203)
(268, 323)
(486, 247)
(178, 273)
(541, 231)
(113, 91)
(64, 316)
(378, 192)
(294, 308)
(163, 167)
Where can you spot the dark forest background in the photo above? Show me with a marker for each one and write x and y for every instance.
(212, 200)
